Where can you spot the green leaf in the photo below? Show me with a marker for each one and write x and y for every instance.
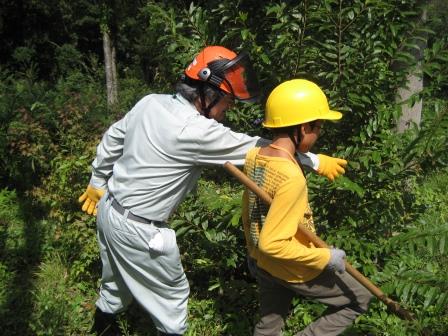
(430, 296)
(216, 285)
(345, 183)
(442, 244)
(265, 59)
(406, 290)
(369, 131)
(235, 219)
(331, 55)
(351, 15)
(272, 9)
(183, 230)
(204, 225)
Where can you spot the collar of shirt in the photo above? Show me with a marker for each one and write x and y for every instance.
(180, 98)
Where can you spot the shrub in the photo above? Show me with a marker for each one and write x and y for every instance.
(59, 307)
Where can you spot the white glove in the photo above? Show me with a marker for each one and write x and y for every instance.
(337, 260)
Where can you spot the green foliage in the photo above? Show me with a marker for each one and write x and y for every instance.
(23, 239)
(12, 238)
(37, 121)
(69, 59)
(11, 244)
(209, 230)
(59, 307)
(181, 32)
(415, 268)
(429, 142)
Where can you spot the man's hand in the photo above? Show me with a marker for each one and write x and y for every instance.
(330, 167)
(337, 260)
(91, 198)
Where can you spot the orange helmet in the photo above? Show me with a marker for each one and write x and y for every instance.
(225, 70)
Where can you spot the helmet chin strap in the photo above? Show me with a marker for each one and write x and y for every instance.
(291, 135)
(296, 145)
(204, 108)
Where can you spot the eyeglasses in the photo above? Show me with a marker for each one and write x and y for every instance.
(316, 124)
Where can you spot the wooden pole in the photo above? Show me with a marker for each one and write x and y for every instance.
(264, 196)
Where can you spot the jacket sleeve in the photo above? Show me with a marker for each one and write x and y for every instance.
(308, 159)
(108, 152)
(218, 144)
(278, 236)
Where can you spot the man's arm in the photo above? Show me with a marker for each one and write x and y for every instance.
(218, 144)
(108, 152)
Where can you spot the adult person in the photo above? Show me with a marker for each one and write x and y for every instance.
(284, 262)
(145, 165)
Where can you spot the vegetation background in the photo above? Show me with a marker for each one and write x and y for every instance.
(389, 212)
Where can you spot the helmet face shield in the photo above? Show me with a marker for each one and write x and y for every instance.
(236, 77)
(241, 78)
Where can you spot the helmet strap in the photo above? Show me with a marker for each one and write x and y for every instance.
(296, 144)
(204, 108)
(291, 131)
(202, 98)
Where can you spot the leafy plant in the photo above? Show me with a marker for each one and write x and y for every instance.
(209, 232)
(59, 307)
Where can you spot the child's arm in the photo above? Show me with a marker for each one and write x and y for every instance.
(278, 236)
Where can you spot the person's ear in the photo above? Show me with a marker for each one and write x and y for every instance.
(299, 132)
(304, 129)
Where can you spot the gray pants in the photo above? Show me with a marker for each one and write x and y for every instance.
(134, 267)
(345, 297)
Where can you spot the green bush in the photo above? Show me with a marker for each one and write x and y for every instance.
(415, 268)
(60, 308)
(210, 237)
(22, 241)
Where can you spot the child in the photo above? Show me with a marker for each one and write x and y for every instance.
(286, 263)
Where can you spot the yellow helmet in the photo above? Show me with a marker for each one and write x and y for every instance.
(296, 102)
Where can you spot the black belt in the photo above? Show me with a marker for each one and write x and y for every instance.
(121, 211)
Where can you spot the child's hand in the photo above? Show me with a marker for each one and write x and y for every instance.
(337, 260)
(330, 167)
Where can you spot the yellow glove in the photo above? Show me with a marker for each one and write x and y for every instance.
(330, 167)
(90, 198)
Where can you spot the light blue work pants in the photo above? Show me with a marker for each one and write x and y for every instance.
(133, 270)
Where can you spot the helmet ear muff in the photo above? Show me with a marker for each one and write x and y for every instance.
(212, 74)
(204, 74)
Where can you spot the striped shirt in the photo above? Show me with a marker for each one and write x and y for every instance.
(272, 232)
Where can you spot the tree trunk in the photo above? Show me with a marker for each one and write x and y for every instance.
(412, 113)
(111, 69)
